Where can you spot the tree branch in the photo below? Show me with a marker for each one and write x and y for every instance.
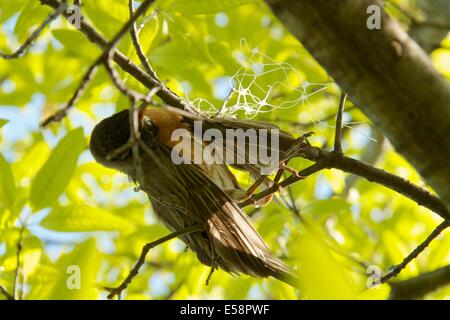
(385, 73)
(328, 159)
(422, 284)
(16, 283)
(120, 85)
(5, 292)
(36, 33)
(127, 65)
(137, 45)
(134, 271)
(418, 194)
(104, 57)
(337, 138)
(419, 249)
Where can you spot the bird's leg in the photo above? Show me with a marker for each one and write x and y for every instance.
(285, 167)
(251, 190)
(135, 270)
(293, 171)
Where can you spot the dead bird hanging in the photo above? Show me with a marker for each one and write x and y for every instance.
(190, 197)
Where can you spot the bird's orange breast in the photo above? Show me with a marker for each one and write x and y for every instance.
(167, 121)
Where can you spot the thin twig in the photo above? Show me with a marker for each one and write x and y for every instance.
(418, 250)
(174, 290)
(36, 33)
(168, 96)
(337, 137)
(137, 46)
(59, 115)
(16, 282)
(293, 205)
(134, 271)
(134, 137)
(5, 292)
(101, 59)
(120, 85)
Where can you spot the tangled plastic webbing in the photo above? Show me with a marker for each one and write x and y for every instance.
(248, 96)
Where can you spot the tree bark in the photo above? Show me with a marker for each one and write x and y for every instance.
(385, 73)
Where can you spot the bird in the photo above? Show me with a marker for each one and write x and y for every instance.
(169, 119)
(183, 195)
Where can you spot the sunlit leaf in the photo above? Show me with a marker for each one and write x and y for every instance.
(7, 184)
(84, 218)
(76, 43)
(55, 174)
(77, 273)
(325, 207)
(321, 276)
(32, 13)
(194, 7)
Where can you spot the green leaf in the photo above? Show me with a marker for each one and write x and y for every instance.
(187, 39)
(7, 184)
(78, 272)
(55, 174)
(321, 276)
(33, 13)
(106, 15)
(196, 7)
(3, 122)
(76, 42)
(9, 8)
(148, 34)
(81, 218)
(327, 207)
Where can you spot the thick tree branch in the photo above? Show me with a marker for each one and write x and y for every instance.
(385, 73)
(418, 194)
(327, 160)
(424, 283)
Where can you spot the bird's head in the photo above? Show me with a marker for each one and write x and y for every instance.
(111, 134)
